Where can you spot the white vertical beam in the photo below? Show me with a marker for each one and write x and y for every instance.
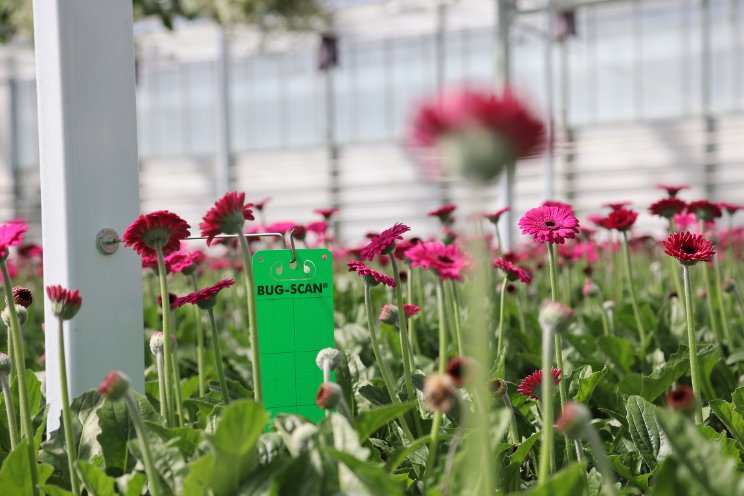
(222, 128)
(549, 164)
(505, 12)
(8, 141)
(89, 180)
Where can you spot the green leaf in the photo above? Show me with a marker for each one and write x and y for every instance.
(371, 476)
(587, 385)
(366, 423)
(644, 430)
(51, 490)
(524, 449)
(619, 352)
(94, 479)
(568, 482)
(404, 452)
(730, 418)
(200, 473)
(14, 473)
(738, 397)
(234, 444)
(624, 471)
(710, 470)
(116, 431)
(673, 480)
(131, 484)
(376, 395)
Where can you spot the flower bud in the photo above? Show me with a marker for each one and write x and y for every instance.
(497, 387)
(5, 365)
(389, 314)
(23, 296)
(328, 355)
(439, 392)
(21, 312)
(329, 395)
(729, 285)
(114, 386)
(555, 317)
(460, 370)
(609, 306)
(65, 303)
(410, 309)
(157, 342)
(682, 398)
(574, 418)
(590, 289)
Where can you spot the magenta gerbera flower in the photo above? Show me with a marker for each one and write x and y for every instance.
(65, 302)
(443, 213)
(327, 213)
(511, 271)
(446, 260)
(371, 277)
(409, 309)
(672, 189)
(549, 224)
(384, 242)
(227, 216)
(559, 204)
(494, 217)
(283, 226)
(689, 248)
(620, 219)
(530, 385)
(182, 261)
(161, 229)
(205, 298)
(11, 234)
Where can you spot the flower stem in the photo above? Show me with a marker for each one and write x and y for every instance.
(605, 320)
(553, 271)
(691, 344)
(433, 443)
(513, 429)
(631, 290)
(218, 357)
(442, 327)
(160, 364)
(139, 428)
(405, 344)
(177, 390)
(252, 321)
(66, 416)
(384, 370)
(162, 275)
(500, 344)
(719, 302)
(199, 341)
(19, 355)
(601, 460)
(456, 317)
(546, 448)
(410, 322)
(9, 411)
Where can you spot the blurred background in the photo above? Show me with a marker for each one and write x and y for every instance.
(309, 102)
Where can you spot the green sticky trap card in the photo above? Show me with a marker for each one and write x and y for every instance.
(294, 303)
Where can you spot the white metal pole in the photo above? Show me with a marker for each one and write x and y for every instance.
(504, 16)
(549, 165)
(222, 128)
(89, 181)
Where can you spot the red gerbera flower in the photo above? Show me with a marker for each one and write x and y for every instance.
(227, 216)
(205, 298)
(261, 204)
(382, 243)
(530, 385)
(621, 219)
(511, 271)
(320, 227)
(731, 208)
(409, 309)
(667, 207)
(549, 224)
(30, 250)
(11, 234)
(161, 229)
(444, 213)
(672, 189)
(327, 213)
(183, 261)
(616, 205)
(681, 398)
(65, 303)
(371, 277)
(689, 248)
(446, 260)
(494, 217)
(704, 210)
(23, 296)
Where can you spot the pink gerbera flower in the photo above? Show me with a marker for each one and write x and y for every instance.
(319, 227)
(384, 242)
(409, 309)
(549, 224)
(371, 277)
(227, 216)
(65, 302)
(672, 189)
(161, 229)
(558, 204)
(283, 226)
(443, 213)
(446, 260)
(494, 217)
(11, 234)
(183, 261)
(530, 385)
(205, 298)
(511, 271)
(327, 213)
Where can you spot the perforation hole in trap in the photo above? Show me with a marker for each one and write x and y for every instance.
(278, 272)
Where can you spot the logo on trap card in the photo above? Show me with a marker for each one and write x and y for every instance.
(291, 289)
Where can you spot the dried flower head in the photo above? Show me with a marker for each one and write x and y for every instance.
(5, 365)
(439, 392)
(331, 356)
(497, 387)
(156, 342)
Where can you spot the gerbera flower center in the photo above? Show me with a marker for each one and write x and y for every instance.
(690, 250)
(445, 259)
(549, 223)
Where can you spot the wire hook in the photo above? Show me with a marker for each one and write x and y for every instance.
(291, 243)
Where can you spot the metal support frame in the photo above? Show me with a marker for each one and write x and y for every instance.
(223, 156)
(505, 11)
(89, 180)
